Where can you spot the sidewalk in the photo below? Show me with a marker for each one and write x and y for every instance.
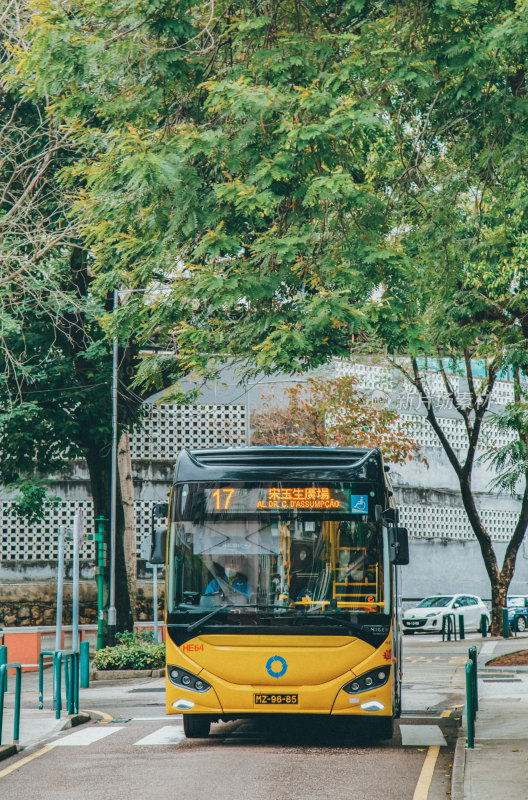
(37, 726)
(498, 764)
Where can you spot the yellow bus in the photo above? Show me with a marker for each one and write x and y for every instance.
(282, 586)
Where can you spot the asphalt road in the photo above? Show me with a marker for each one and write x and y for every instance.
(134, 750)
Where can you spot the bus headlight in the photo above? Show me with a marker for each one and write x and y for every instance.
(186, 680)
(369, 680)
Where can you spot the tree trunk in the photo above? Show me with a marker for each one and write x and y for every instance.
(499, 592)
(100, 471)
(124, 461)
(499, 579)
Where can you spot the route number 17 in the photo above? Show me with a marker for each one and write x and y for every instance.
(222, 498)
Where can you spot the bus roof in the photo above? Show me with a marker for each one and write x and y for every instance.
(280, 463)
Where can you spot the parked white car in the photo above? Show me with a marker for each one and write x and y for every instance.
(428, 615)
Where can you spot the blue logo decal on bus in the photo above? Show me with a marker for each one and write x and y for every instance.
(276, 666)
(359, 504)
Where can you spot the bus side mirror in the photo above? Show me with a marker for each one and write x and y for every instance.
(398, 546)
(160, 512)
(391, 516)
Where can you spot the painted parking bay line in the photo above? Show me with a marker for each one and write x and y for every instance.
(168, 734)
(87, 736)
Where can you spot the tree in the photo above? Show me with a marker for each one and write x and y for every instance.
(286, 175)
(59, 408)
(251, 175)
(55, 362)
(333, 413)
(472, 410)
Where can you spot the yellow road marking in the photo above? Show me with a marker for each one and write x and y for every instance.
(426, 775)
(105, 718)
(23, 761)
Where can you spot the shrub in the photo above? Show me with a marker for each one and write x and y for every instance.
(132, 651)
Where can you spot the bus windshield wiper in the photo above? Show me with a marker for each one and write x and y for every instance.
(216, 611)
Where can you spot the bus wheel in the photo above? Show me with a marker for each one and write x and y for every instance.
(196, 726)
(382, 727)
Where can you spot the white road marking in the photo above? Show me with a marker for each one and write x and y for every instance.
(164, 718)
(169, 734)
(422, 735)
(87, 736)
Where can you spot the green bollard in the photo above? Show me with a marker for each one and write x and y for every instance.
(470, 708)
(18, 692)
(472, 653)
(505, 624)
(461, 631)
(85, 665)
(484, 625)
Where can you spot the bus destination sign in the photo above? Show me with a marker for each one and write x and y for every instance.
(236, 500)
(301, 497)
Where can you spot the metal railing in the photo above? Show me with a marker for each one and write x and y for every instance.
(449, 627)
(471, 695)
(70, 660)
(18, 690)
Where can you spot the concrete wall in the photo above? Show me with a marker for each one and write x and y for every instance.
(447, 566)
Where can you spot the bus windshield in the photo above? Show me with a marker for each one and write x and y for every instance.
(261, 548)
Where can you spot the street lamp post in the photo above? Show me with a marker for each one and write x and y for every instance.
(113, 490)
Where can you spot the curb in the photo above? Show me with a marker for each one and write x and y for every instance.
(459, 770)
(123, 674)
(488, 670)
(7, 750)
(76, 719)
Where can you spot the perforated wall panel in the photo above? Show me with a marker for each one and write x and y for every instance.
(39, 540)
(377, 377)
(445, 522)
(168, 428)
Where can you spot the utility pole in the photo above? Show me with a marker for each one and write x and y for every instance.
(113, 489)
(77, 535)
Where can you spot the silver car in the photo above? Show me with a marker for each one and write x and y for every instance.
(428, 615)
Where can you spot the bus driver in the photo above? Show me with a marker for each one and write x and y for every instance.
(229, 578)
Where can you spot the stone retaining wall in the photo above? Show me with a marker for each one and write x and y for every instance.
(35, 604)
